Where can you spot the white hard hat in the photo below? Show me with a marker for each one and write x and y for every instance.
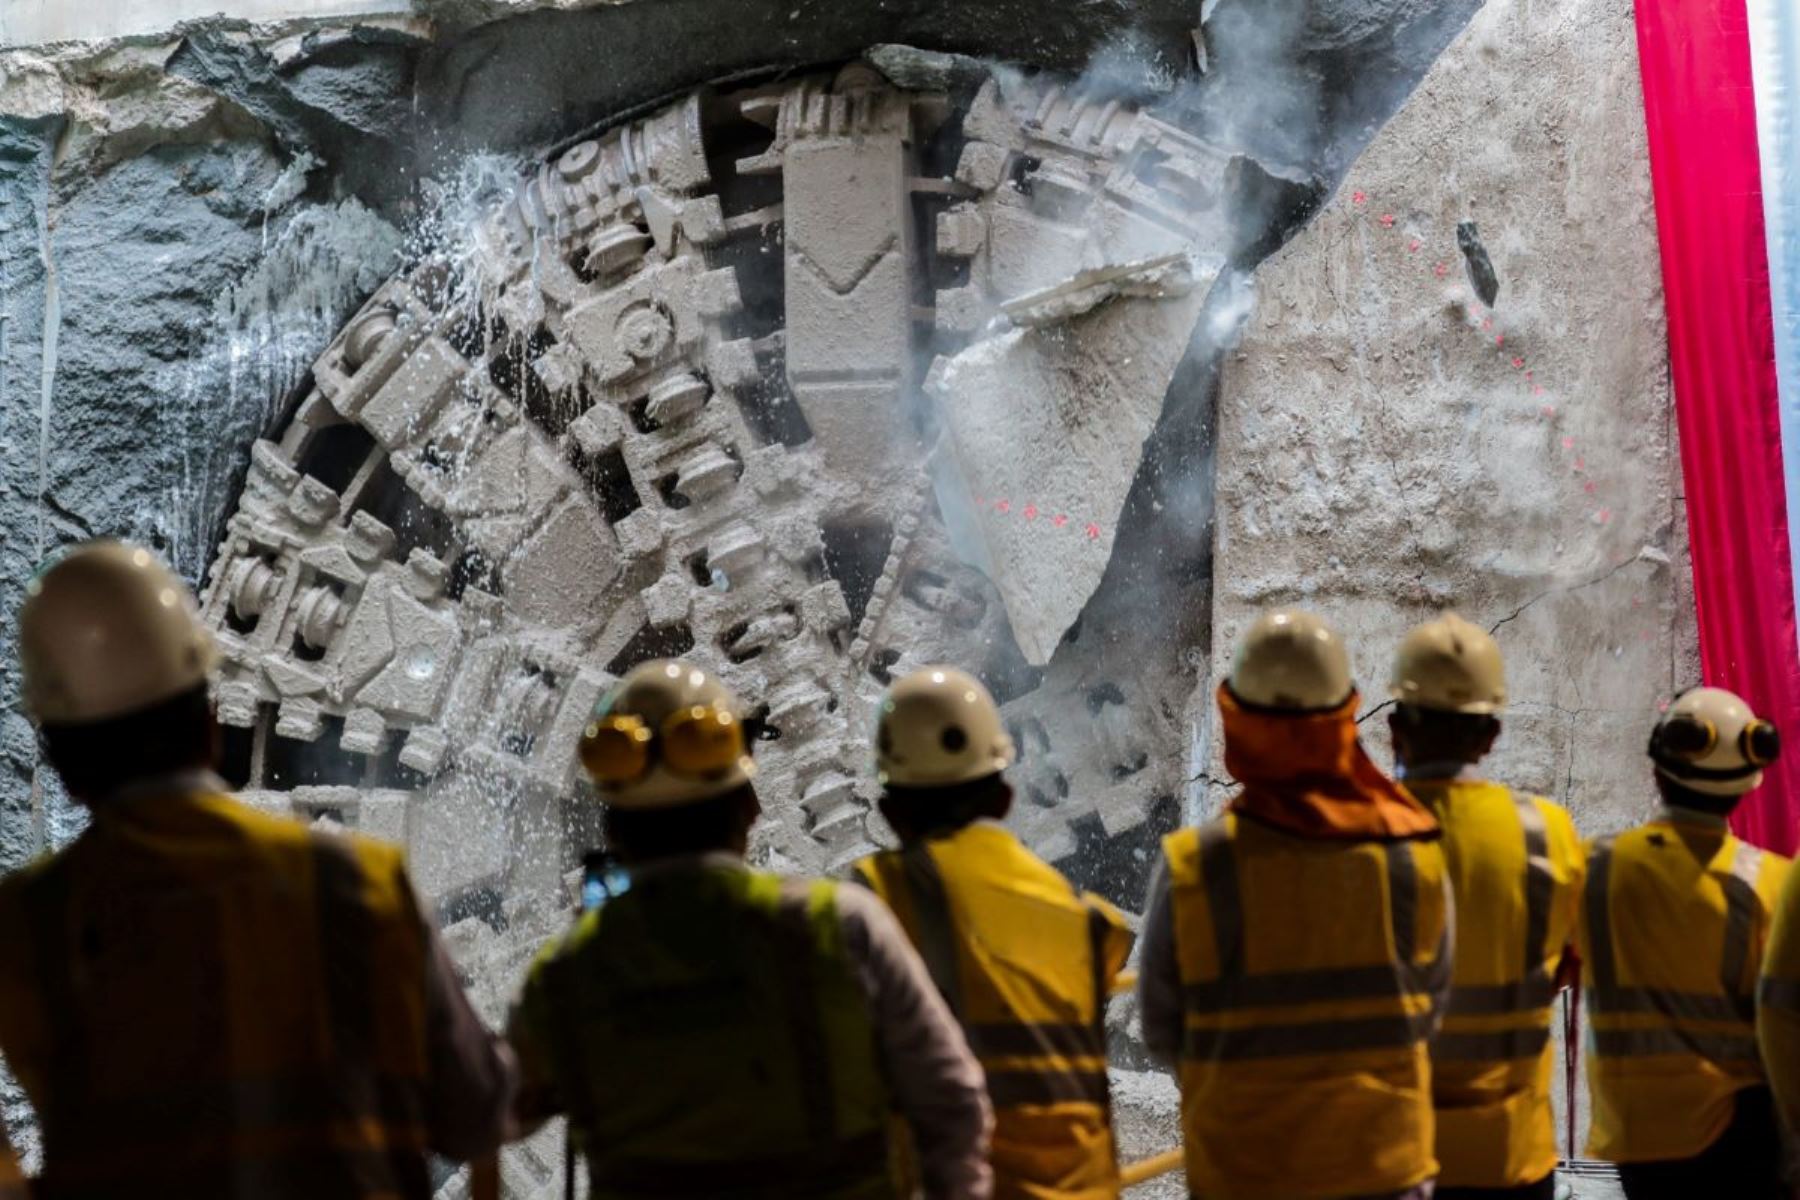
(1450, 665)
(939, 727)
(1711, 742)
(106, 632)
(1292, 660)
(668, 734)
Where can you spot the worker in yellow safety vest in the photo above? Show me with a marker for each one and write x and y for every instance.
(1296, 951)
(1675, 915)
(1778, 1007)
(198, 999)
(718, 1032)
(1516, 866)
(1025, 959)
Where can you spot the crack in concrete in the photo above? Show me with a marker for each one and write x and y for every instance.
(1566, 589)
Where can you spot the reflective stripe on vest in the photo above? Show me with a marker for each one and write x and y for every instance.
(1237, 990)
(1735, 1003)
(1534, 989)
(1053, 1081)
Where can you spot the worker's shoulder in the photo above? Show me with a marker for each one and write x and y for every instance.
(1774, 870)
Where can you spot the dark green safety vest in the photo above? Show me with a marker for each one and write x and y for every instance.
(709, 1037)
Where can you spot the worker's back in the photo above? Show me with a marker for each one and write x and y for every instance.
(204, 1001)
(709, 1037)
(1311, 970)
(1675, 915)
(1026, 961)
(1516, 866)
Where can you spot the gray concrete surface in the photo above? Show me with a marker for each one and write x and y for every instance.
(1388, 447)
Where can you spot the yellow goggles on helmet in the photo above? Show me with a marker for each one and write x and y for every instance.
(696, 742)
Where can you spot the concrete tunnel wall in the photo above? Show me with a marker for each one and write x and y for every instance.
(188, 220)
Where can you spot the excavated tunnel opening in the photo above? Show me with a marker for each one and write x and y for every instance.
(692, 390)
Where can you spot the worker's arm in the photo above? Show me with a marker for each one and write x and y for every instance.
(938, 1086)
(1159, 974)
(1778, 1004)
(473, 1075)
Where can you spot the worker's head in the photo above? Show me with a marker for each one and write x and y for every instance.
(940, 751)
(667, 752)
(1710, 749)
(1291, 661)
(115, 665)
(1448, 687)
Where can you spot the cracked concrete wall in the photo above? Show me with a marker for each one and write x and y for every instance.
(1390, 447)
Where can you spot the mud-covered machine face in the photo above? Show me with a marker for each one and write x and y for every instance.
(810, 384)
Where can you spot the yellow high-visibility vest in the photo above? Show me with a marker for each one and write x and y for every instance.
(204, 1000)
(1312, 973)
(1026, 962)
(1674, 918)
(708, 1036)
(1778, 1004)
(1516, 867)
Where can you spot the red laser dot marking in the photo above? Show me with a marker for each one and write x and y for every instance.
(1031, 512)
(1538, 390)
(1003, 506)
(1499, 339)
(1093, 532)
(1387, 220)
(1359, 197)
(1059, 520)
(1603, 516)
(1518, 364)
(1441, 270)
(1549, 410)
(1413, 246)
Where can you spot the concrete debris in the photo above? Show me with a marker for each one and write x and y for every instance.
(927, 70)
(1157, 278)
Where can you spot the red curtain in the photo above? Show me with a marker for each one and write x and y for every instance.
(1701, 112)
